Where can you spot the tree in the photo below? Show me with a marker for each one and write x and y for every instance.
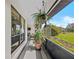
(55, 30)
(70, 27)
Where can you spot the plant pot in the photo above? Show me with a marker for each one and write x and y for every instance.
(38, 46)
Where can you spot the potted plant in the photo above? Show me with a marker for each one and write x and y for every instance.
(40, 18)
(38, 40)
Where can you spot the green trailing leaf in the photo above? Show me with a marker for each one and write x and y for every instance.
(40, 18)
(38, 36)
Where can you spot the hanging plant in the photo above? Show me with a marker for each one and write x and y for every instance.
(40, 18)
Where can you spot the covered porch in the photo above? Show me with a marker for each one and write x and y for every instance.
(20, 45)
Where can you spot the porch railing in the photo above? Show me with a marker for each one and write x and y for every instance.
(57, 52)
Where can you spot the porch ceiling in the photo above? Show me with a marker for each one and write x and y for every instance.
(57, 6)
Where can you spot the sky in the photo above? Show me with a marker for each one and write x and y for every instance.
(64, 17)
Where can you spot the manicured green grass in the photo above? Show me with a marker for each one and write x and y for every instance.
(71, 49)
(57, 42)
(68, 37)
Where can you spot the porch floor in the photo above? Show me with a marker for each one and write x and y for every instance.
(30, 52)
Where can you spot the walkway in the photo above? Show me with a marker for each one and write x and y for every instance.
(30, 52)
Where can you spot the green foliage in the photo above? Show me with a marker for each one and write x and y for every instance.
(70, 29)
(61, 44)
(38, 36)
(55, 30)
(40, 18)
(17, 31)
(68, 37)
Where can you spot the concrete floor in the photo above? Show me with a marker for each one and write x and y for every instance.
(29, 52)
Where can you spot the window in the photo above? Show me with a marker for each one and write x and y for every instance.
(17, 29)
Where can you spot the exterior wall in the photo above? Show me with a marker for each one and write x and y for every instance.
(8, 29)
(20, 9)
(31, 25)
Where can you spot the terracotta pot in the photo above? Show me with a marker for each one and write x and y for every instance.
(38, 45)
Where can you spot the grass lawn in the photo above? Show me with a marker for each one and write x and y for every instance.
(67, 37)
